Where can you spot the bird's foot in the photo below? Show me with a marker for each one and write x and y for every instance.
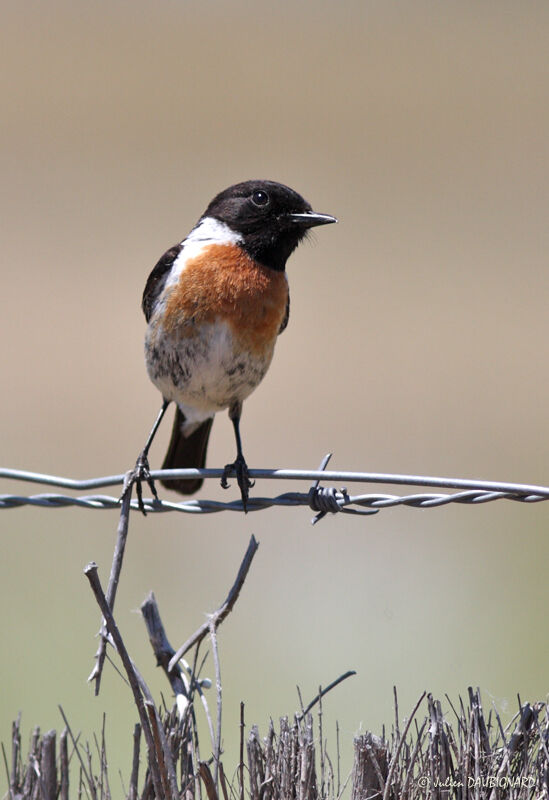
(141, 472)
(240, 468)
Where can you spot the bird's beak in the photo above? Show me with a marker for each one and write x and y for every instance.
(310, 219)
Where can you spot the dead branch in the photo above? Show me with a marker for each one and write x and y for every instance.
(370, 767)
(160, 644)
(116, 568)
(225, 609)
(92, 576)
(325, 691)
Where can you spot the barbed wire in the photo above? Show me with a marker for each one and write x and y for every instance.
(322, 500)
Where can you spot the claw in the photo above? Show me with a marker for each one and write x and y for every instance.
(140, 473)
(240, 468)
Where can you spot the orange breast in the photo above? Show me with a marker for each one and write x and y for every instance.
(224, 283)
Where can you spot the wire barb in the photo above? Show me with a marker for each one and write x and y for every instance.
(327, 500)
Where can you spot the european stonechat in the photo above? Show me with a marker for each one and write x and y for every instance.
(215, 304)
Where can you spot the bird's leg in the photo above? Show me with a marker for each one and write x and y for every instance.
(239, 466)
(141, 470)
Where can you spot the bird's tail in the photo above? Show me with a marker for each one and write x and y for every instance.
(186, 452)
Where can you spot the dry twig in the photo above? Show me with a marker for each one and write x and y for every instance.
(218, 616)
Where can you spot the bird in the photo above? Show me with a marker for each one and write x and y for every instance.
(214, 305)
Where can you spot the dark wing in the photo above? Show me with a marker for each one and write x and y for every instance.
(284, 322)
(157, 279)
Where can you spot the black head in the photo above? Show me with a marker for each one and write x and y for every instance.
(271, 218)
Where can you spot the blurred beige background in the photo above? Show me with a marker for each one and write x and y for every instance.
(417, 343)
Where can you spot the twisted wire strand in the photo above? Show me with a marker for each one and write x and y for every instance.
(322, 500)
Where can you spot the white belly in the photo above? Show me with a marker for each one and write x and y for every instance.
(205, 372)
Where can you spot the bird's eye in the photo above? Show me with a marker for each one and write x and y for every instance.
(260, 198)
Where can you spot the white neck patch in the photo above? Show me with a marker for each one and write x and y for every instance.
(212, 231)
(208, 231)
